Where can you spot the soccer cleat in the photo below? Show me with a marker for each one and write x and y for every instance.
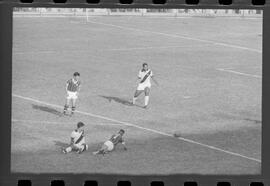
(65, 113)
(64, 151)
(145, 106)
(79, 151)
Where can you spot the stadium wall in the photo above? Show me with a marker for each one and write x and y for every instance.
(70, 12)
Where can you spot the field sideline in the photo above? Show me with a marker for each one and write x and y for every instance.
(210, 93)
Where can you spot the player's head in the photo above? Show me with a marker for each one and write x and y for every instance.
(80, 125)
(121, 132)
(76, 75)
(145, 66)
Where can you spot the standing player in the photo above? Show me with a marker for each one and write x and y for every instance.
(72, 89)
(77, 140)
(109, 145)
(145, 75)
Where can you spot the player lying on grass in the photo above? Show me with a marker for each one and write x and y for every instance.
(109, 145)
(145, 76)
(72, 89)
(77, 141)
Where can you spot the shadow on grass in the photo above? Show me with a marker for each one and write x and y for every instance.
(47, 109)
(61, 144)
(118, 100)
(255, 121)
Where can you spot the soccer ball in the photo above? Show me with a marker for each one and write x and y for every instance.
(176, 135)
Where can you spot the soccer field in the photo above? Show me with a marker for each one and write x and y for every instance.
(210, 76)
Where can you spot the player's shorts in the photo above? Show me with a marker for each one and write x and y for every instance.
(109, 145)
(72, 95)
(142, 86)
(81, 146)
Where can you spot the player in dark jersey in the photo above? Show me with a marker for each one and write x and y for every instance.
(110, 144)
(72, 88)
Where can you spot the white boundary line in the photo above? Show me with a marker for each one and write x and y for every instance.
(143, 128)
(179, 36)
(113, 49)
(239, 73)
(55, 122)
(154, 47)
(37, 52)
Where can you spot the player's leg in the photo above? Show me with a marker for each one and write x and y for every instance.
(136, 95)
(66, 104)
(73, 100)
(146, 97)
(81, 148)
(106, 147)
(69, 149)
(102, 150)
(73, 105)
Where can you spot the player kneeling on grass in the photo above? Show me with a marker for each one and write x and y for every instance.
(77, 141)
(72, 89)
(111, 143)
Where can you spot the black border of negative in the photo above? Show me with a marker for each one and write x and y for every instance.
(9, 179)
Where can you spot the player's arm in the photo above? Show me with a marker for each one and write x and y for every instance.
(124, 144)
(66, 87)
(79, 88)
(139, 77)
(72, 136)
(71, 141)
(138, 80)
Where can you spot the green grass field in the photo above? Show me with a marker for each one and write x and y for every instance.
(209, 71)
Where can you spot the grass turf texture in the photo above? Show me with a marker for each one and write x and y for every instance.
(194, 100)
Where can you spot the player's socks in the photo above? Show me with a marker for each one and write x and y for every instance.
(134, 100)
(73, 109)
(97, 152)
(101, 151)
(65, 109)
(64, 151)
(146, 101)
(79, 151)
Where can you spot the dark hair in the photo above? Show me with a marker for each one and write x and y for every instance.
(144, 64)
(76, 74)
(122, 130)
(80, 124)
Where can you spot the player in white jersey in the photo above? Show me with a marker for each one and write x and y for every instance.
(145, 75)
(77, 140)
